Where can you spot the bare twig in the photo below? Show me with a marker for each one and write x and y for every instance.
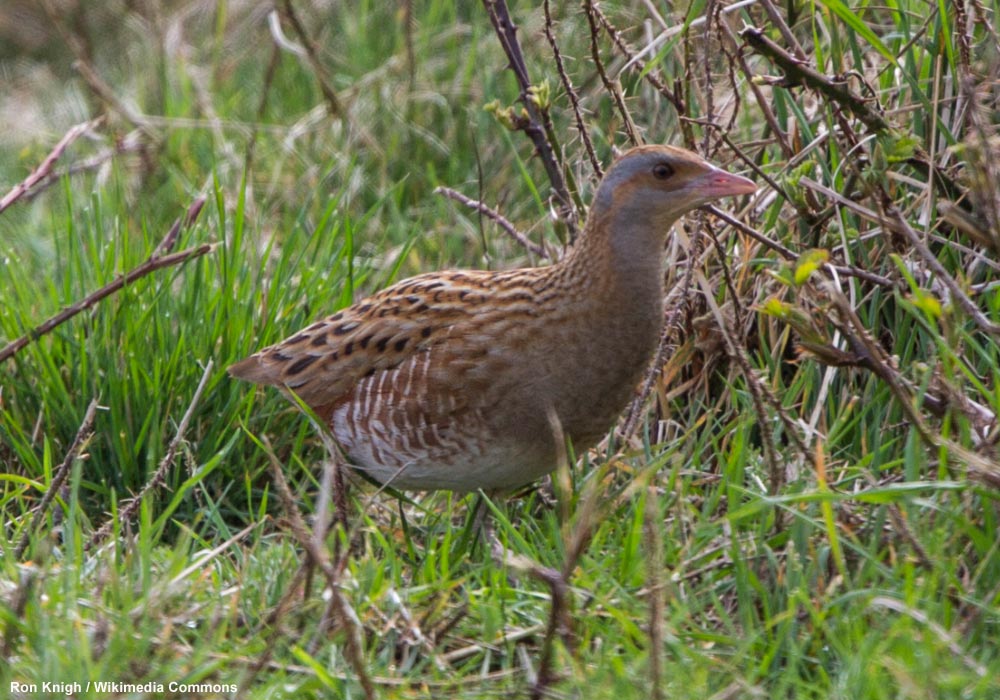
(760, 394)
(559, 622)
(789, 254)
(107, 95)
(83, 435)
(786, 33)
(731, 49)
(409, 28)
(538, 124)
(46, 166)
(708, 90)
(133, 141)
(786, 253)
(496, 216)
(592, 508)
(329, 94)
(839, 199)
(938, 397)
(155, 262)
(130, 506)
(902, 526)
(963, 33)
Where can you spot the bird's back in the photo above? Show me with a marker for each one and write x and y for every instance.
(433, 382)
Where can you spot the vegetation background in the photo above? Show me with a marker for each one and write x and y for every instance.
(804, 502)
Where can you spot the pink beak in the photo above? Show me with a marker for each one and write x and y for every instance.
(718, 183)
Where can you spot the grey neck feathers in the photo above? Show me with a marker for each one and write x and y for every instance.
(623, 247)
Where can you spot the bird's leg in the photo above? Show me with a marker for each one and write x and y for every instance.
(483, 523)
(339, 493)
(478, 523)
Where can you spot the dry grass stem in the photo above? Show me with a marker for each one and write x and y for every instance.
(341, 609)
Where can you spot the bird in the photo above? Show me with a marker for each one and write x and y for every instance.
(466, 380)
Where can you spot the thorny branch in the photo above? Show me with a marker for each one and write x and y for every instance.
(836, 91)
(158, 260)
(574, 98)
(639, 66)
(496, 216)
(130, 506)
(800, 73)
(867, 353)
(896, 221)
(612, 87)
(83, 435)
(538, 123)
(635, 64)
(45, 167)
(332, 101)
(319, 558)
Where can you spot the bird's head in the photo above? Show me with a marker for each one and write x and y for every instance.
(658, 184)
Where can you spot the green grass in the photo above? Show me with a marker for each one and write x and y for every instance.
(780, 528)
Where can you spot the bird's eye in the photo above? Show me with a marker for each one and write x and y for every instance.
(662, 171)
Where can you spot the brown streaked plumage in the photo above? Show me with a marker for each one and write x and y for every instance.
(451, 380)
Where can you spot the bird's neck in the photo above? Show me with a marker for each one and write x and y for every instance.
(613, 289)
(621, 253)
